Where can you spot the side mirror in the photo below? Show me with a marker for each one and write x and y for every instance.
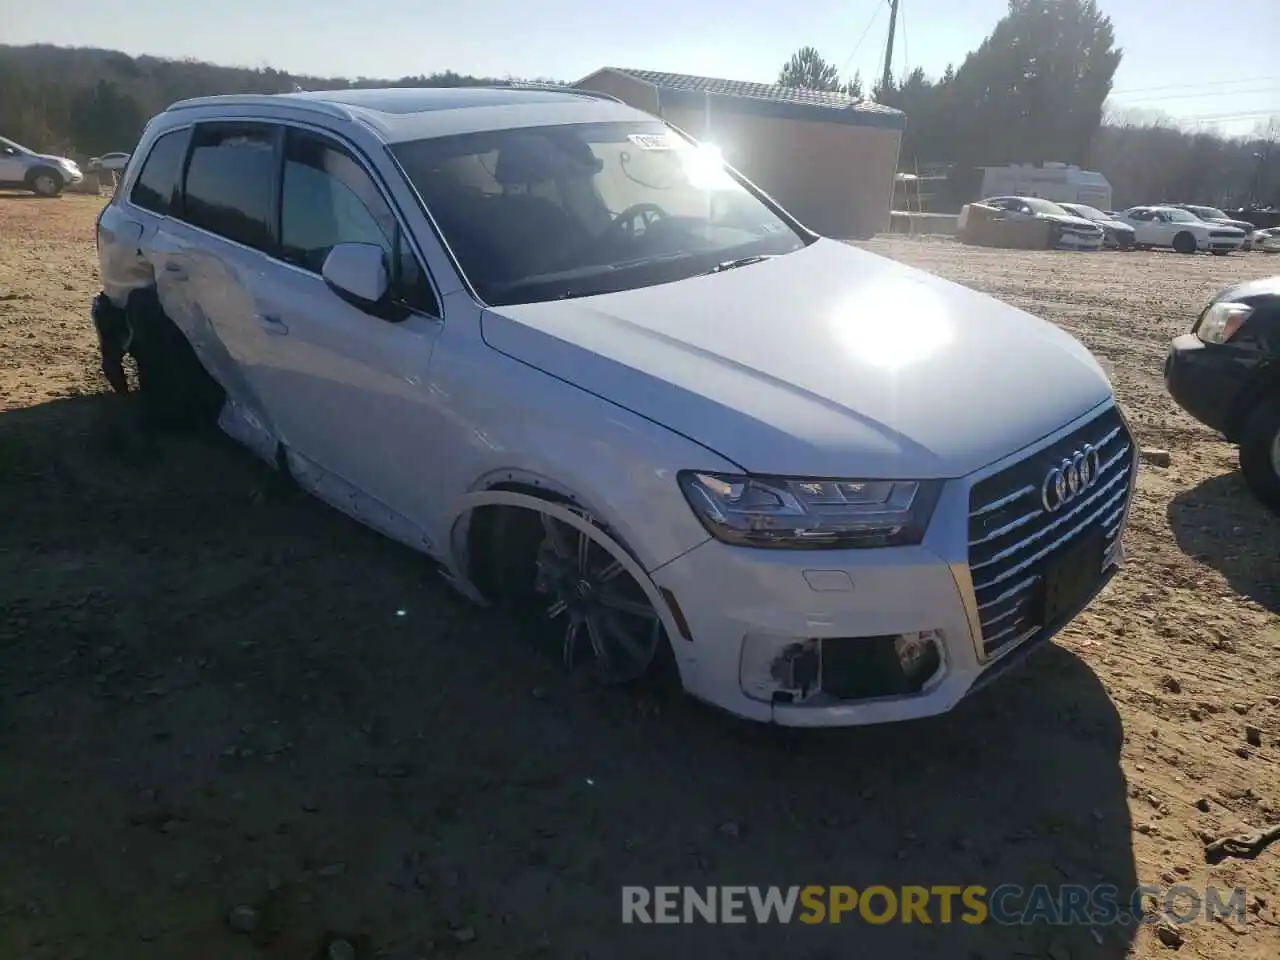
(357, 272)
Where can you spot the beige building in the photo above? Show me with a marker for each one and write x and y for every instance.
(829, 159)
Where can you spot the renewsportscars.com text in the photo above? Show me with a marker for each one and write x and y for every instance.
(1007, 904)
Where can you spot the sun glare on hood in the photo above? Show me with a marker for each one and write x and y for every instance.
(893, 324)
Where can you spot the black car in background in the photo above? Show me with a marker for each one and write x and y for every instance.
(1116, 234)
(1226, 374)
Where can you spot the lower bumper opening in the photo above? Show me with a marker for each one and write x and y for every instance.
(845, 669)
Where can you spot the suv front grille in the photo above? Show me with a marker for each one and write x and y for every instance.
(1012, 536)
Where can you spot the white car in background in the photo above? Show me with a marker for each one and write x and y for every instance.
(1184, 232)
(1214, 215)
(1267, 240)
(115, 162)
(43, 174)
(1070, 231)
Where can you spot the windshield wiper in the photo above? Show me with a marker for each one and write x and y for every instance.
(739, 262)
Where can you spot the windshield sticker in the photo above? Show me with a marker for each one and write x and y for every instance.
(651, 141)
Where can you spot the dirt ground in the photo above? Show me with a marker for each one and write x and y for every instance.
(214, 698)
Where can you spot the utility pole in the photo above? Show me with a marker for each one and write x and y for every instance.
(888, 48)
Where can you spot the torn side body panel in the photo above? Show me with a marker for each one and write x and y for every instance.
(113, 340)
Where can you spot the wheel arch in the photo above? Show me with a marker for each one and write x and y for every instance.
(528, 491)
(1265, 382)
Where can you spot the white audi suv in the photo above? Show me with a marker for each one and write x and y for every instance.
(607, 382)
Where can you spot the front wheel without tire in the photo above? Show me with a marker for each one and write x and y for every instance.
(1260, 452)
(576, 594)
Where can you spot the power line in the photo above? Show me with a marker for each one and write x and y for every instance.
(1205, 83)
(1227, 117)
(1211, 93)
(906, 53)
(866, 30)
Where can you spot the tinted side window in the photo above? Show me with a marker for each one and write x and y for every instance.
(153, 190)
(328, 198)
(230, 187)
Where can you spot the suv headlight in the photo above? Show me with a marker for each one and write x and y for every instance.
(810, 514)
(1220, 322)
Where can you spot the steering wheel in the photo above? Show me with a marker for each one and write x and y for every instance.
(645, 213)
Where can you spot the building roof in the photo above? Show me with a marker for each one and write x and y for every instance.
(766, 99)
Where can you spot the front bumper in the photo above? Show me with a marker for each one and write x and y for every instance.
(1205, 380)
(1074, 240)
(1118, 239)
(1228, 244)
(736, 599)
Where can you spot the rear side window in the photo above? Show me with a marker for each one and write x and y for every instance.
(230, 186)
(154, 188)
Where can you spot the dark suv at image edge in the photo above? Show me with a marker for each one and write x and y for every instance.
(1226, 374)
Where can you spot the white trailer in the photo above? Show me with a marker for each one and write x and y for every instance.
(1053, 181)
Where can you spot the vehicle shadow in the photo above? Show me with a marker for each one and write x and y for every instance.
(268, 705)
(1220, 523)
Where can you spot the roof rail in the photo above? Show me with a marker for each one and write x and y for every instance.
(327, 107)
(555, 87)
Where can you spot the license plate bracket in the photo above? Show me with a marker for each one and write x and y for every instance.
(1071, 575)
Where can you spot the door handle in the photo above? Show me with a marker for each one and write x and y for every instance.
(273, 325)
(175, 271)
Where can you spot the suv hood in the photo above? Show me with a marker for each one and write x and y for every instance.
(829, 361)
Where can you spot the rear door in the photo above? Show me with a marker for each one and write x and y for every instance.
(130, 222)
(217, 249)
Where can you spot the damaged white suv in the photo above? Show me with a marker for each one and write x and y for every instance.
(601, 378)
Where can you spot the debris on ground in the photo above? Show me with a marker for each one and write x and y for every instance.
(243, 919)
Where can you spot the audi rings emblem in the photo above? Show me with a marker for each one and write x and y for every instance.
(1072, 477)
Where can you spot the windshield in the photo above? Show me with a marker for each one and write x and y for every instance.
(10, 145)
(1045, 206)
(1209, 213)
(545, 213)
(1181, 216)
(1089, 213)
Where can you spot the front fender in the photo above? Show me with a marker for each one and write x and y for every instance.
(559, 511)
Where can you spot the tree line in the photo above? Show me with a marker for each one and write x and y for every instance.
(86, 101)
(1036, 90)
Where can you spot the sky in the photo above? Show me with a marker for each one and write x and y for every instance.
(1209, 64)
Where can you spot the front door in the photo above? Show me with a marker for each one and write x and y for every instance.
(348, 391)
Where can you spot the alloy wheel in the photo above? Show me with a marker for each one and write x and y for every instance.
(597, 602)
